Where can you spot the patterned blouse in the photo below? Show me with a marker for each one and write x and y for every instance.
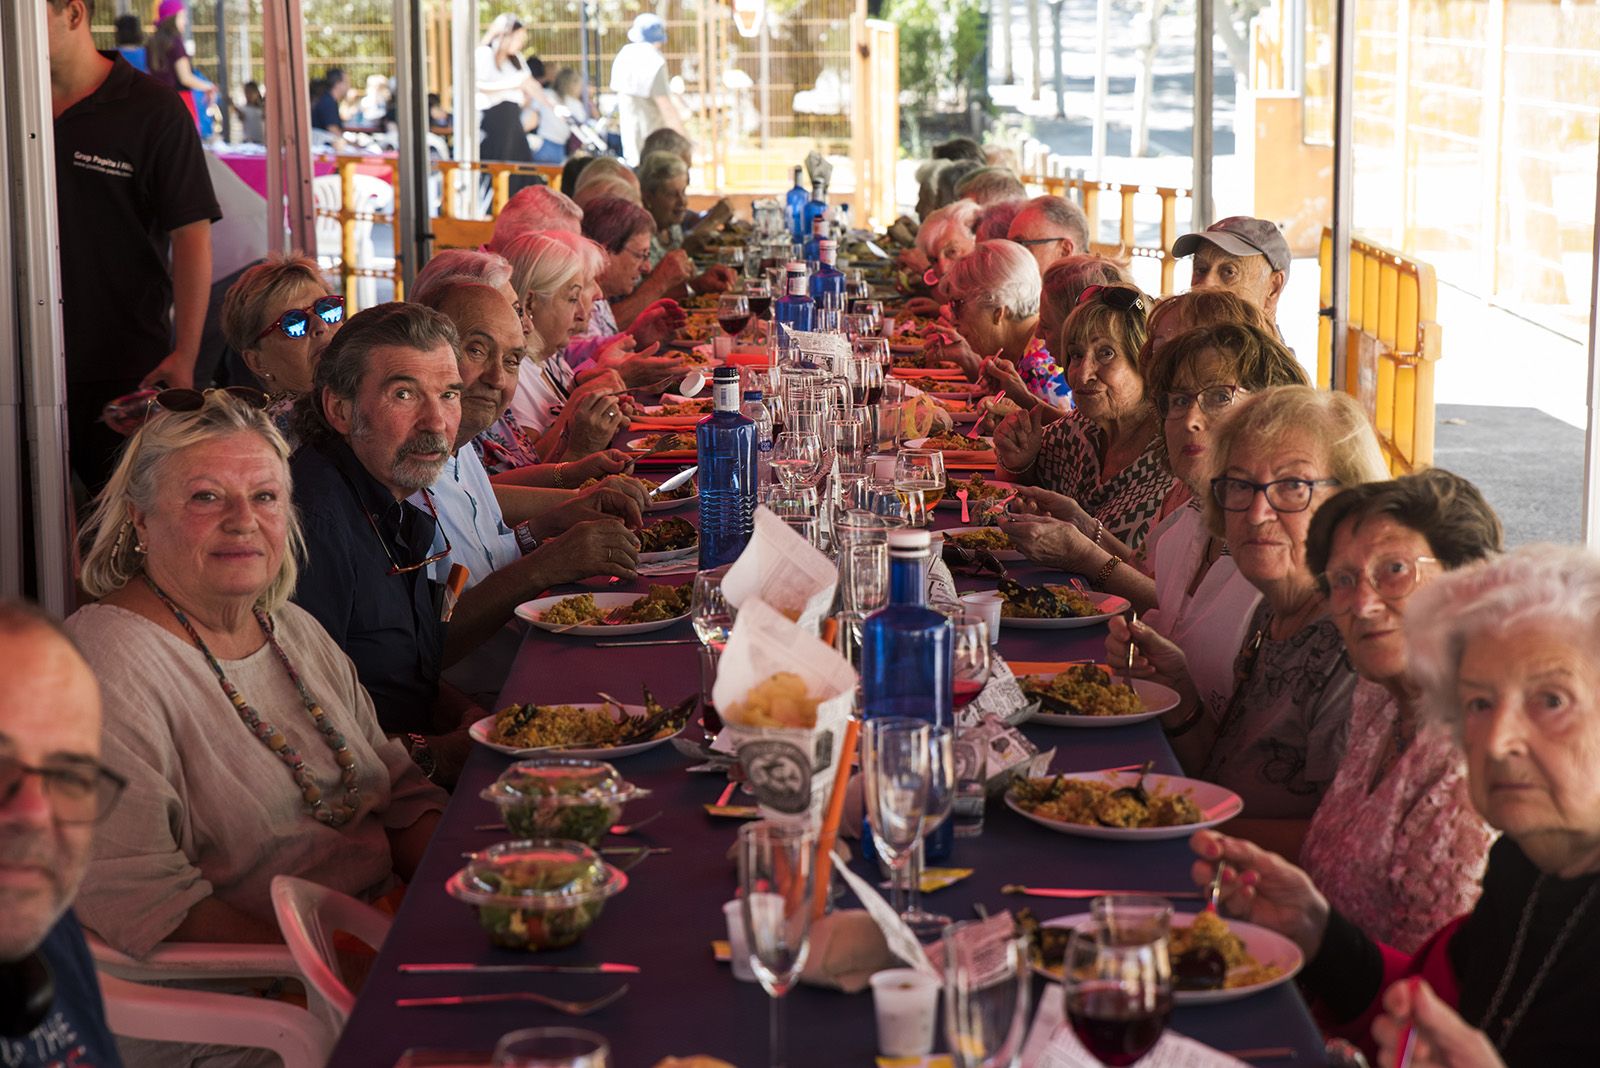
(1405, 856)
(1282, 737)
(1069, 463)
(505, 446)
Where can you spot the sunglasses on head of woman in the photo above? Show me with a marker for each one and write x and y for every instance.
(296, 322)
(1121, 298)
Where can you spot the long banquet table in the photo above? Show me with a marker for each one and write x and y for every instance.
(683, 1002)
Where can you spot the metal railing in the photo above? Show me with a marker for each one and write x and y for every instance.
(1394, 341)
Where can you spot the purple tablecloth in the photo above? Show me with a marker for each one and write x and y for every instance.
(683, 1002)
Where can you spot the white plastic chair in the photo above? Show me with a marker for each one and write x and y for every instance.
(308, 915)
(137, 1009)
(374, 195)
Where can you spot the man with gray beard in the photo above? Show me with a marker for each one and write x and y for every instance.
(377, 426)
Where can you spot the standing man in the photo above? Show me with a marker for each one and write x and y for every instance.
(1248, 256)
(130, 180)
(639, 78)
(53, 788)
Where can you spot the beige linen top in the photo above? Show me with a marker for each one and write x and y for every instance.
(211, 811)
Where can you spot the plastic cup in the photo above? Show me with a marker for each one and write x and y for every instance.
(985, 603)
(907, 1004)
(738, 946)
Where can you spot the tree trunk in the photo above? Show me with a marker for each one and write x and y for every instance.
(1238, 51)
(1140, 145)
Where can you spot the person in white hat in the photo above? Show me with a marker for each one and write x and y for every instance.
(639, 78)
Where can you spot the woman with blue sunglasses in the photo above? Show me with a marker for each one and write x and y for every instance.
(279, 316)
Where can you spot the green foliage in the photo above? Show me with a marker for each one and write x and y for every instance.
(941, 44)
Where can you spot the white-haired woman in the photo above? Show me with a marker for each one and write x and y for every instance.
(279, 316)
(1278, 739)
(250, 746)
(993, 294)
(1504, 655)
(943, 238)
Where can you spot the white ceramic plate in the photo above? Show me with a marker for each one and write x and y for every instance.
(949, 500)
(1109, 604)
(1156, 697)
(640, 444)
(479, 732)
(1003, 555)
(1267, 947)
(1217, 805)
(530, 611)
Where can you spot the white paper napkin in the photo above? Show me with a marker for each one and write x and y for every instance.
(779, 566)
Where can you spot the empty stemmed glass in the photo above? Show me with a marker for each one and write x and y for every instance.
(796, 459)
(712, 616)
(847, 436)
(986, 989)
(776, 875)
(1117, 978)
(941, 799)
(894, 763)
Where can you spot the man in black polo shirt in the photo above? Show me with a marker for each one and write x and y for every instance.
(377, 425)
(325, 108)
(130, 175)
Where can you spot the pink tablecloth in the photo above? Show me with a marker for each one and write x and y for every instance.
(251, 167)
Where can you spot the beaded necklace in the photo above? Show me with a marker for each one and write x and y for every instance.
(271, 736)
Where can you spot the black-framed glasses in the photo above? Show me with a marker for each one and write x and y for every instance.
(79, 792)
(1029, 242)
(404, 569)
(296, 322)
(1122, 298)
(1212, 399)
(1393, 578)
(1283, 494)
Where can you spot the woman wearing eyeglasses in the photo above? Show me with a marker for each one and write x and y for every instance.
(1101, 466)
(250, 746)
(1396, 845)
(279, 316)
(1278, 739)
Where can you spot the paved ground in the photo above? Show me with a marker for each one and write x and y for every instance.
(1529, 466)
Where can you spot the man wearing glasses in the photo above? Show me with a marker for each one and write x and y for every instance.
(1248, 256)
(377, 426)
(1051, 229)
(53, 790)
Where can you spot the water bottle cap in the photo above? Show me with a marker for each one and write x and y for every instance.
(909, 541)
(752, 394)
(796, 267)
(692, 384)
(725, 374)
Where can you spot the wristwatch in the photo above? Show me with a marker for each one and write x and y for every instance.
(422, 756)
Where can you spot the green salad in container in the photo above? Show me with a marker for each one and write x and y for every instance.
(536, 894)
(561, 797)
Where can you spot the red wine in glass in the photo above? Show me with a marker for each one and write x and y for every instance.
(760, 307)
(966, 691)
(1116, 1025)
(734, 324)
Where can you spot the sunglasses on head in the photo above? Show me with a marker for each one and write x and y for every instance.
(296, 322)
(1121, 298)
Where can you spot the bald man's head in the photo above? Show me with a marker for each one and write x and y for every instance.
(49, 722)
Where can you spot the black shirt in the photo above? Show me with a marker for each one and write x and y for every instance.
(129, 170)
(325, 113)
(387, 624)
(74, 1031)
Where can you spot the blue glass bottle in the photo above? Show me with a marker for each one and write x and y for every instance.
(796, 203)
(726, 445)
(906, 651)
(813, 245)
(795, 310)
(828, 279)
(816, 206)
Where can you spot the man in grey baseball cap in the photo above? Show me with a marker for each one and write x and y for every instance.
(1246, 255)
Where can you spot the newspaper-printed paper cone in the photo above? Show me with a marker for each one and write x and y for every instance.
(782, 568)
(791, 768)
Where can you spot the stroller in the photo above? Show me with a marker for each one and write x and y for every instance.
(586, 133)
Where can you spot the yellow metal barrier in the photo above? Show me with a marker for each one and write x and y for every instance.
(1394, 341)
(1047, 177)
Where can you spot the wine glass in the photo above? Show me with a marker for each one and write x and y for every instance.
(803, 525)
(759, 293)
(894, 762)
(796, 457)
(986, 989)
(1117, 978)
(733, 313)
(712, 616)
(776, 876)
(872, 309)
(971, 657)
(864, 575)
(919, 478)
(551, 1047)
(941, 799)
(847, 435)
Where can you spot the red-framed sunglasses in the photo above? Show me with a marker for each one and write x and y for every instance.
(296, 322)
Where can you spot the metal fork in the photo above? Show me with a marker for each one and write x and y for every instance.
(570, 1008)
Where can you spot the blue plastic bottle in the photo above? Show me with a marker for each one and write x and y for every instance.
(828, 279)
(796, 203)
(815, 207)
(795, 310)
(906, 650)
(726, 443)
(813, 245)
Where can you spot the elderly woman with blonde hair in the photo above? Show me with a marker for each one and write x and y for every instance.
(279, 316)
(1503, 655)
(1278, 739)
(606, 177)
(250, 746)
